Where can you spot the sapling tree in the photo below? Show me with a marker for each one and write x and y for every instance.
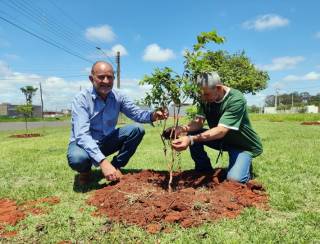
(26, 111)
(166, 90)
(167, 86)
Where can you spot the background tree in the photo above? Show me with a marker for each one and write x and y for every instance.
(253, 109)
(235, 70)
(29, 92)
(295, 99)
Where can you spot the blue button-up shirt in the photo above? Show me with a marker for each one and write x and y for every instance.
(94, 118)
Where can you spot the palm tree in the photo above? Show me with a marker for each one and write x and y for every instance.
(29, 92)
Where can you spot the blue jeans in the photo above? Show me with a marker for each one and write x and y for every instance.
(239, 161)
(125, 140)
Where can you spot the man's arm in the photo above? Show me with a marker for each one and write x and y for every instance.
(133, 112)
(211, 134)
(215, 133)
(194, 125)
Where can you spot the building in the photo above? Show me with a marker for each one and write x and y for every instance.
(52, 114)
(270, 110)
(10, 110)
(309, 109)
(312, 109)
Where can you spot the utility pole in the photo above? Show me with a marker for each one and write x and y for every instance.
(117, 62)
(41, 100)
(118, 69)
(276, 98)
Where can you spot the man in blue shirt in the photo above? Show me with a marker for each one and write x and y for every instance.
(95, 114)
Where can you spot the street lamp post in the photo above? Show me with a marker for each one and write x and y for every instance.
(118, 64)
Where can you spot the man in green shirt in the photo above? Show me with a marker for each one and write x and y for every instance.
(225, 110)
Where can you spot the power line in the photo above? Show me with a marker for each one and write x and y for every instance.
(44, 40)
(38, 18)
(38, 78)
(66, 31)
(78, 25)
(51, 22)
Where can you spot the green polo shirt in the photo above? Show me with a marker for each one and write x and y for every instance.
(232, 113)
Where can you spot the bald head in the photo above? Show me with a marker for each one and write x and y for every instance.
(102, 76)
(100, 65)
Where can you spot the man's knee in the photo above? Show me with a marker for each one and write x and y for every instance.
(79, 160)
(235, 176)
(137, 130)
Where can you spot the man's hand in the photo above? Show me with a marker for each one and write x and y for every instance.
(109, 171)
(181, 143)
(173, 132)
(160, 114)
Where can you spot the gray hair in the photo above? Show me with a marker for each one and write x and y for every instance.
(208, 79)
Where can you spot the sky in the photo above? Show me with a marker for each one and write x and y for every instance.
(55, 42)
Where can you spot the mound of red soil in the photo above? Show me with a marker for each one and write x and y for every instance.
(142, 199)
(311, 123)
(11, 213)
(26, 135)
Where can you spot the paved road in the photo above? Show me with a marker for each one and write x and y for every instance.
(4, 126)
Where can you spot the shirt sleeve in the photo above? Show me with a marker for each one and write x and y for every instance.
(133, 112)
(81, 129)
(233, 115)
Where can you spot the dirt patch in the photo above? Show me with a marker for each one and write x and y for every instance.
(26, 135)
(311, 123)
(11, 213)
(142, 199)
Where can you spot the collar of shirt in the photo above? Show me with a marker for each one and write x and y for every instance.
(95, 95)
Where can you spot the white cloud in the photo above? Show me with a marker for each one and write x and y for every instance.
(132, 89)
(155, 53)
(311, 76)
(116, 48)
(282, 63)
(317, 35)
(57, 92)
(266, 22)
(101, 33)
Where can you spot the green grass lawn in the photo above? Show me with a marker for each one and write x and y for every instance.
(289, 168)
